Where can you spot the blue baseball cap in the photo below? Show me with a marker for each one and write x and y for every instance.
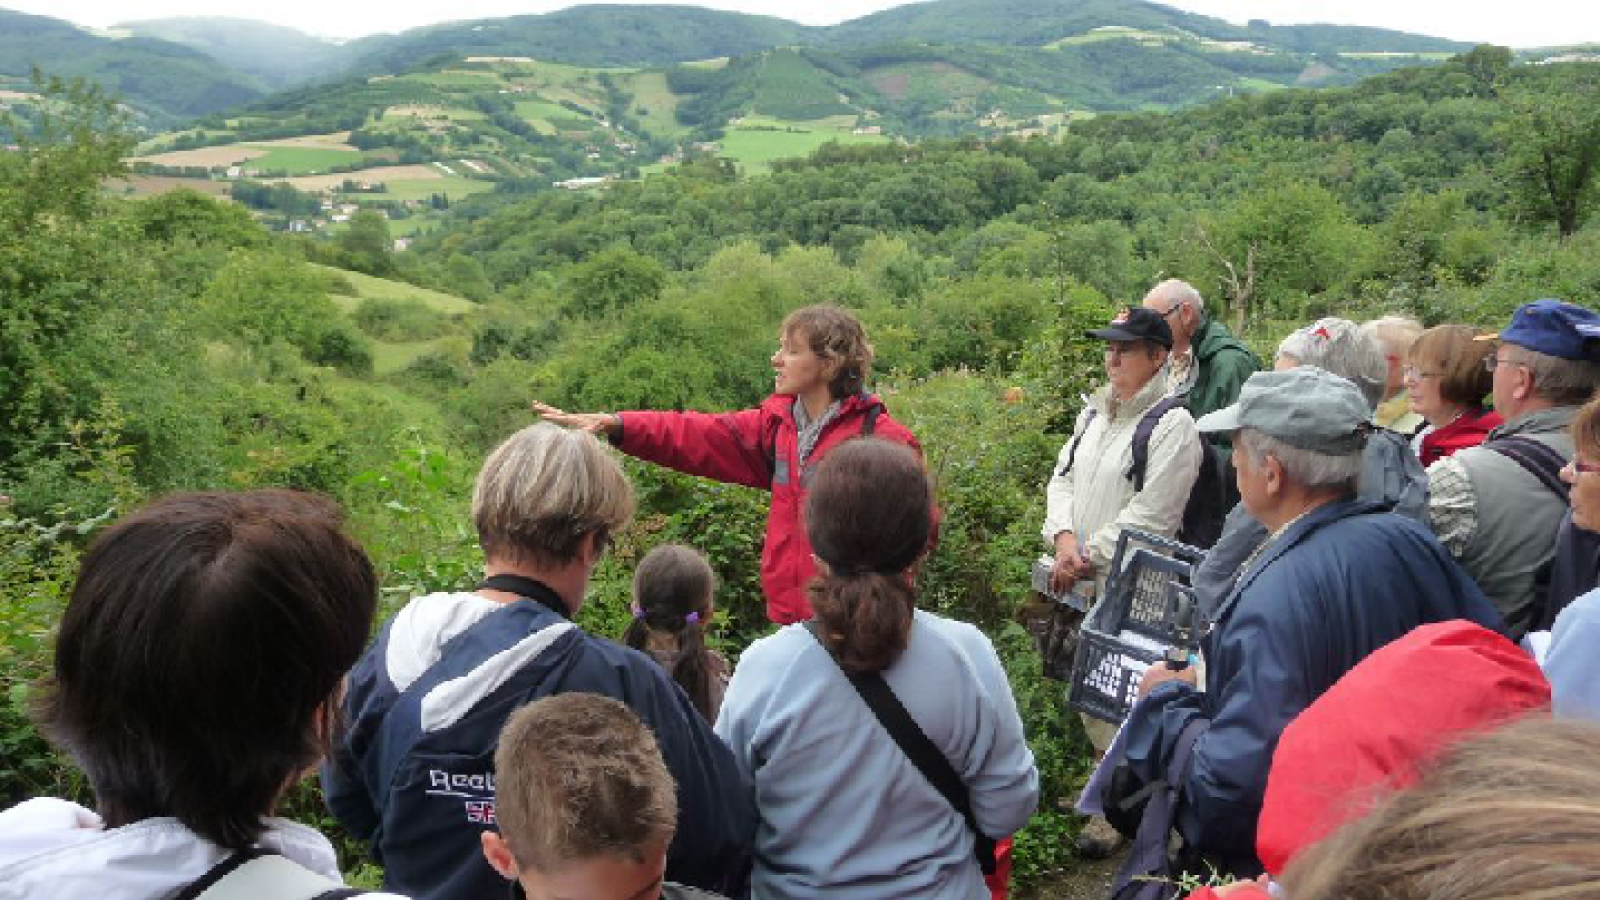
(1554, 328)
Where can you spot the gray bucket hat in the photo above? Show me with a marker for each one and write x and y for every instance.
(1304, 407)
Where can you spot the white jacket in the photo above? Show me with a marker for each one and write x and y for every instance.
(55, 850)
(1095, 500)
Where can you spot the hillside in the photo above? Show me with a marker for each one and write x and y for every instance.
(163, 82)
(275, 56)
(586, 36)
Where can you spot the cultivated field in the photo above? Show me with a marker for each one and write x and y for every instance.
(381, 174)
(145, 185)
(204, 157)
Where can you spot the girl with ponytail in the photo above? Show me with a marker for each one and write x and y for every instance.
(844, 812)
(672, 591)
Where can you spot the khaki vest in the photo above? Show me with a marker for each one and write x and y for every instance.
(1517, 517)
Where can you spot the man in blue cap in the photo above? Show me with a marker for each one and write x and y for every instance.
(1497, 507)
(1337, 578)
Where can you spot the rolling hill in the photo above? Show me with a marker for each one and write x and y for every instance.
(163, 82)
(275, 56)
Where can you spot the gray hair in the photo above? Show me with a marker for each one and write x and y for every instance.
(1179, 293)
(1344, 348)
(1305, 467)
(1564, 382)
(1395, 333)
(543, 490)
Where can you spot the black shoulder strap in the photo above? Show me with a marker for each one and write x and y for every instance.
(1072, 452)
(770, 446)
(1141, 439)
(218, 872)
(219, 875)
(1537, 458)
(870, 423)
(917, 747)
(527, 589)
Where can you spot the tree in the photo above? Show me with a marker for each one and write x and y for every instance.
(1551, 139)
(367, 243)
(613, 279)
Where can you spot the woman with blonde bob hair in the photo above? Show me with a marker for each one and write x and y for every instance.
(819, 400)
(1447, 382)
(426, 703)
(1512, 814)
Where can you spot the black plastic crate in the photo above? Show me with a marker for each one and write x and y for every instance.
(1105, 675)
(1147, 608)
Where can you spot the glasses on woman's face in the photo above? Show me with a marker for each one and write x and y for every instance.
(1579, 467)
(1493, 361)
(1412, 373)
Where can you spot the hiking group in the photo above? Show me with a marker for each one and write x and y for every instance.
(1395, 684)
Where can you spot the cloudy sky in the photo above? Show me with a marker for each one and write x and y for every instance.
(1529, 23)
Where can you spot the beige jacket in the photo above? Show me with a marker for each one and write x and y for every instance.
(1096, 498)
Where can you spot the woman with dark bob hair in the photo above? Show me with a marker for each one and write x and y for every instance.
(197, 677)
(844, 813)
(819, 400)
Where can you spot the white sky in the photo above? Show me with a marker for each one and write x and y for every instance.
(1529, 23)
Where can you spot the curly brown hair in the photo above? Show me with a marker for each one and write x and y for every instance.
(837, 336)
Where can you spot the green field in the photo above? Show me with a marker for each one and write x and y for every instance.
(755, 150)
(301, 160)
(790, 87)
(370, 288)
(456, 78)
(388, 359)
(555, 115)
(454, 187)
(651, 94)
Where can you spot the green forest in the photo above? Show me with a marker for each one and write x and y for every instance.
(169, 342)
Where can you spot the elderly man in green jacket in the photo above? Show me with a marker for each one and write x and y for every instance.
(1207, 366)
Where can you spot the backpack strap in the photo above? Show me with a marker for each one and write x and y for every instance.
(1072, 452)
(1141, 438)
(1537, 458)
(870, 423)
(1149, 863)
(258, 874)
(917, 746)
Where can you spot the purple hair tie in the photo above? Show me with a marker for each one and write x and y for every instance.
(637, 612)
(692, 619)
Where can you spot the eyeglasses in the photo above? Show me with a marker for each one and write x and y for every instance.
(1412, 373)
(1490, 363)
(1579, 467)
(1173, 311)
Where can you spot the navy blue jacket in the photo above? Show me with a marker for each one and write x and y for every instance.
(1337, 585)
(414, 773)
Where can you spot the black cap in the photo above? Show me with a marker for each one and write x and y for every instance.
(1136, 323)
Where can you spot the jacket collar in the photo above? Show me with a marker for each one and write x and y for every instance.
(1295, 535)
(1546, 421)
(1148, 396)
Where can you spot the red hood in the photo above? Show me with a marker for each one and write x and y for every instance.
(1382, 722)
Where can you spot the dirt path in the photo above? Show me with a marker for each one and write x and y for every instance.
(1088, 880)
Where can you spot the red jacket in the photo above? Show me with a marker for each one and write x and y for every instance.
(1469, 430)
(1380, 726)
(734, 447)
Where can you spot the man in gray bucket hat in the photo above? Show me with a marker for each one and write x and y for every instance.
(1337, 578)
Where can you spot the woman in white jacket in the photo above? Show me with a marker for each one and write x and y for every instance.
(196, 679)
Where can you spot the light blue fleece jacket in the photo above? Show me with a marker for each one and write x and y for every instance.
(843, 812)
(1571, 664)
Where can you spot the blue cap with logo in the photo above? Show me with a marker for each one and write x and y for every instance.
(1554, 328)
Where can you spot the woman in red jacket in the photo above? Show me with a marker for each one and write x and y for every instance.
(818, 402)
(1445, 375)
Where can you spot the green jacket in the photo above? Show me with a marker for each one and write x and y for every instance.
(1221, 364)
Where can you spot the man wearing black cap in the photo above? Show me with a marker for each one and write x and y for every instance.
(1092, 496)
